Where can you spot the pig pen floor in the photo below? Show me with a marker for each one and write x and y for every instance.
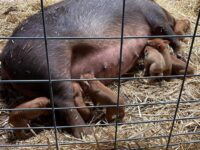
(135, 92)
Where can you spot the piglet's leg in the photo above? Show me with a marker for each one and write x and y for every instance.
(79, 102)
(146, 70)
(104, 96)
(20, 118)
(84, 112)
(179, 66)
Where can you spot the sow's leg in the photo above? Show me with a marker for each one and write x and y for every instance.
(63, 97)
(60, 64)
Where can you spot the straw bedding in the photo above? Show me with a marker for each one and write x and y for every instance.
(136, 91)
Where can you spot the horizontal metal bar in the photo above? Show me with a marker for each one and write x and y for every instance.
(103, 106)
(98, 38)
(101, 125)
(176, 144)
(160, 136)
(27, 145)
(94, 79)
(107, 141)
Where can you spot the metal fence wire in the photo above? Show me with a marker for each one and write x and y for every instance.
(116, 124)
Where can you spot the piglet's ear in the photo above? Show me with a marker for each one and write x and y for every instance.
(166, 41)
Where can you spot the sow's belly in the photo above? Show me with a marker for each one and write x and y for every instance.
(104, 62)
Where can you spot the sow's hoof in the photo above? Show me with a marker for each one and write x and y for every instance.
(78, 132)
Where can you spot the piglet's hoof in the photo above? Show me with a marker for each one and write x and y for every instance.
(111, 114)
(78, 132)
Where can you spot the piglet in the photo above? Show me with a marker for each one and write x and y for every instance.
(163, 47)
(154, 62)
(101, 94)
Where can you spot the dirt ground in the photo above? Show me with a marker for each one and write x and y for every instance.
(137, 92)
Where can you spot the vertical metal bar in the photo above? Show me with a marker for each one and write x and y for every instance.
(49, 74)
(182, 86)
(119, 75)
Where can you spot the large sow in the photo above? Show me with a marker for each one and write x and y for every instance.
(26, 58)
